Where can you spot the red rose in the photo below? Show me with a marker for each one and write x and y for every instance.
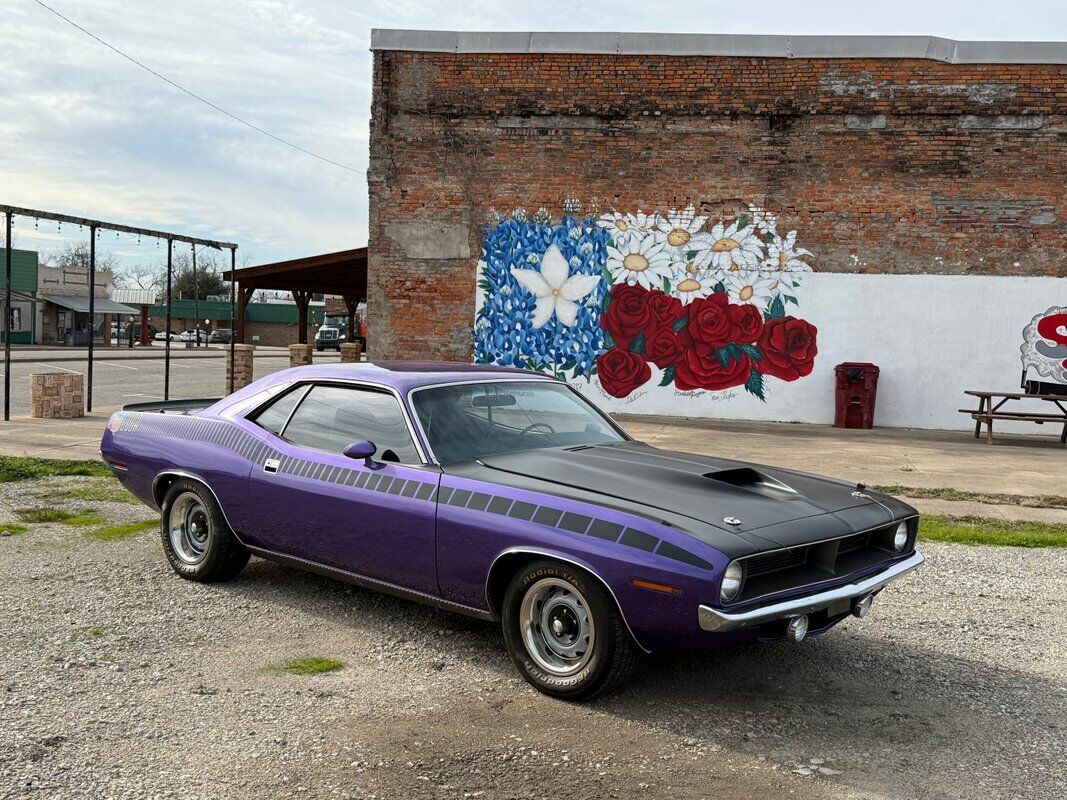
(621, 371)
(662, 345)
(746, 324)
(627, 314)
(709, 322)
(700, 368)
(788, 346)
(664, 310)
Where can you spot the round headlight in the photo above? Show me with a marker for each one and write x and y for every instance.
(900, 537)
(731, 582)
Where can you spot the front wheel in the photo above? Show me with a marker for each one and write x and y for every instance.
(199, 544)
(564, 632)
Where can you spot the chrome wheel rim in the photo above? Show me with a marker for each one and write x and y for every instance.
(557, 628)
(189, 528)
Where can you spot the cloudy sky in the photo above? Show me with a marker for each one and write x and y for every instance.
(84, 131)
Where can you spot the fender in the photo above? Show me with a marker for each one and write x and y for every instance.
(538, 551)
(181, 473)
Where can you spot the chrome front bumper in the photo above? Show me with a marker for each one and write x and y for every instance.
(717, 620)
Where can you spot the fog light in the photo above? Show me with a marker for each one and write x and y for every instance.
(900, 537)
(731, 582)
(862, 607)
(797, 629)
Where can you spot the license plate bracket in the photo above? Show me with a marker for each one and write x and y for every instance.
(839, 607)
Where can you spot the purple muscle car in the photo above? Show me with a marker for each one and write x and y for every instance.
(504, 495)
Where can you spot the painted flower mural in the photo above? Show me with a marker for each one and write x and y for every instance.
(635, 299)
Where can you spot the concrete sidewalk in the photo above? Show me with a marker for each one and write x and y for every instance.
(1019, 465)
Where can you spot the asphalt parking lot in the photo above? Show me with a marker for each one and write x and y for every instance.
(117, 679)
(119, 379)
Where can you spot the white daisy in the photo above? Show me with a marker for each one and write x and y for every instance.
(751, 288)
(678, 227)
(786, 259)
(735, 248)
(624, 227)
(555, 288)
(688, 285)
(639, 261)
(764, 220)
(783, 254)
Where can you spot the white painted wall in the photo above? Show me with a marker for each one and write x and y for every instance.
(932, 335)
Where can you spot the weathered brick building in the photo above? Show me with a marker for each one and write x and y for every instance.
(891, 155)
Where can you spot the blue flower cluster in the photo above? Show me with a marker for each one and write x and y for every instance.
(503, 330)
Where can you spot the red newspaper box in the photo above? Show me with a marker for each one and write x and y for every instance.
(857, 386)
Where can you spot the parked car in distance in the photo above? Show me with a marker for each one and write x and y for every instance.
(162, 336)
(505, 495)
(220, 336)
(191, 335)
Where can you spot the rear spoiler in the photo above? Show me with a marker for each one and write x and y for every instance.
(173, 406)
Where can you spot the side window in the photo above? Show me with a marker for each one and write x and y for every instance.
(273, 417)
(331, 417)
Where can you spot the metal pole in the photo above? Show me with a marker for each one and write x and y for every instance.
(7, 317)
(166, 335)
(233, 314)
(196, 300)
(92, 317)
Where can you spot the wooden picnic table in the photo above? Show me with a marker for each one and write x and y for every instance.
(988, 411)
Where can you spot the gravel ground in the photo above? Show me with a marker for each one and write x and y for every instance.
(117, 679)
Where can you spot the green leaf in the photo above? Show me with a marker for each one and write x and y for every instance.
(484, 284)
(719, 287)
(752, 352)
(668, 376)
(790, 299)
(609, 340)
(679, 324)
(754, 385)
(606, 275)
(691, 254)
(742, 222)
(727, 354)
(776, 309)
(637, 344)
(666, 285)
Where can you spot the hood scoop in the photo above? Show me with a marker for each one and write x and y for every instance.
(754, 481)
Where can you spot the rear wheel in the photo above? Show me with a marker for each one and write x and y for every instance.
(564, 632)
(199, 544)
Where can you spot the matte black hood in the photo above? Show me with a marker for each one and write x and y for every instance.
(699, 487)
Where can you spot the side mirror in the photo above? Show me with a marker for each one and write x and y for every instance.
(365, 450)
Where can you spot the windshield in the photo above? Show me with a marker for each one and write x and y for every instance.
(472, 420)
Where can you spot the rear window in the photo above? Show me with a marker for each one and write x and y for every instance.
(274, 416)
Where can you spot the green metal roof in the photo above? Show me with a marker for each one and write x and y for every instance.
(23, 270)
(255, 312)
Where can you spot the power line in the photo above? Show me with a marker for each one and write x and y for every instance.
(195, 96)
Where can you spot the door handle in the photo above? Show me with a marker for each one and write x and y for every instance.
(270, 466)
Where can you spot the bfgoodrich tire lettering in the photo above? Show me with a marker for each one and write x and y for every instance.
(196, 539)
(564, 632)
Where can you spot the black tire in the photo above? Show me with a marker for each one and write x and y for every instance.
(197, 554)
(609, 660)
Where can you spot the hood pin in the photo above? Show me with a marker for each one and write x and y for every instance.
(731, 520)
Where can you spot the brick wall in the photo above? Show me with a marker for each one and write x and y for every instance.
(885, 165)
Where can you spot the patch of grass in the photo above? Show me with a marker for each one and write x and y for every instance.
(104, 491)
(981, 530)
(81, 518)
(91, 632)
(24, 468)
(311, 665)
(109, 533)
(12, 529)
(992, 498)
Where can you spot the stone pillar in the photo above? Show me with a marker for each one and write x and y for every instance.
(350, 351)
(300, 354)
(57, 395)
(241, 367)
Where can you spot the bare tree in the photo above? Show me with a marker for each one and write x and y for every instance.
(141, 276)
